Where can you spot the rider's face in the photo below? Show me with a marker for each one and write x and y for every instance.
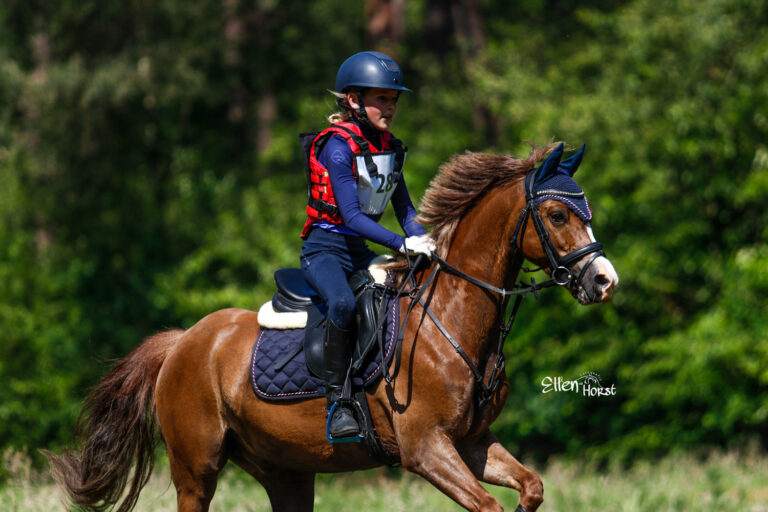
(380, 106)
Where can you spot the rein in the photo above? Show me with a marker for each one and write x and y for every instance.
(562, 275)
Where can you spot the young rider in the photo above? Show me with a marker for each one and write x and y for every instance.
(355, 169)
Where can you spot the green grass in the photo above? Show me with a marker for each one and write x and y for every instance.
(722, 482)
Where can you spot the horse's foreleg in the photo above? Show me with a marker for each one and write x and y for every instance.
(487, 458)
(435, 458)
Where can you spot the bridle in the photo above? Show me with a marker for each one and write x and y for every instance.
(561, 266)
(561, 274)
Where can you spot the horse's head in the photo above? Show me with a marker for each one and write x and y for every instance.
(557, 234)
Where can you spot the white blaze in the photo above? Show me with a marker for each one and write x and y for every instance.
(604, 265)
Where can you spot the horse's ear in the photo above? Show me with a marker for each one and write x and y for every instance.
(572, 164)
(549, 167)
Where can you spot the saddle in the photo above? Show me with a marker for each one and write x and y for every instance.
(296, 308)
(294, 295)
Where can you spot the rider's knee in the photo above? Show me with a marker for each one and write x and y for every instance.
(341, 311)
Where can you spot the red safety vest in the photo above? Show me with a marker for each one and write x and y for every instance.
(321, 203)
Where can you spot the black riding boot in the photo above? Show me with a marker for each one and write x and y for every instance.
(337, 353)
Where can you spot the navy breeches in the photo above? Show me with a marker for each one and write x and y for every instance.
(328, 259)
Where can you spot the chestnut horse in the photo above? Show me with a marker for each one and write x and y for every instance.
(193, 385)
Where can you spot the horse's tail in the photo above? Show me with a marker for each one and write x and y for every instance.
(117, 431)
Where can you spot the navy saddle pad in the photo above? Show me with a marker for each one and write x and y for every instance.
(294, 381)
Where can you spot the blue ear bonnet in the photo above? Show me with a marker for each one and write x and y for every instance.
(554, 180)
(561, 187)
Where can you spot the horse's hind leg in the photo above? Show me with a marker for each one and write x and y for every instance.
(288, 491)
(194, 491)
(194, 438)
(490, 462)
(196, 461)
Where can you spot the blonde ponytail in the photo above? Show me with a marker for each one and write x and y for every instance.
(341, 116)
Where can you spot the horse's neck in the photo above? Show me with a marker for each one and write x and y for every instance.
(481, 248)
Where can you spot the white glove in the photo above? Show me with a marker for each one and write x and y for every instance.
(419, 244)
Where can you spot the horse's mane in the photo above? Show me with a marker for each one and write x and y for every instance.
(463, 181)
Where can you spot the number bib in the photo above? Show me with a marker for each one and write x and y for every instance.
(374, 192)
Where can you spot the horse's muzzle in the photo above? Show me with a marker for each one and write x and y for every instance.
(597, 284)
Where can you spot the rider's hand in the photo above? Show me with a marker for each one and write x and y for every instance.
(420, 244)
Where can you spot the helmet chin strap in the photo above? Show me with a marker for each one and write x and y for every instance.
(362, 116)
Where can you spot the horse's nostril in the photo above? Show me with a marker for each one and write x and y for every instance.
(601, 280)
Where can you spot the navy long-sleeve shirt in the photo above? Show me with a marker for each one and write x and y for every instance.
(337, 157)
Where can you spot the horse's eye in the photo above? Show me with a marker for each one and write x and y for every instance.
(558, 217)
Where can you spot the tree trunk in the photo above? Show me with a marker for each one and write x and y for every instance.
(386, 25)
(470, 36)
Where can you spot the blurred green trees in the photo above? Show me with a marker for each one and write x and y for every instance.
(149, 174)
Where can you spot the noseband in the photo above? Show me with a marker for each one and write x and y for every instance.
(562, 271)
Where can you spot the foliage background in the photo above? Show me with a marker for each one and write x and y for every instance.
(149, 174)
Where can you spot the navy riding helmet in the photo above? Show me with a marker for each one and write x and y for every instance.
(364, 70)
(370, 69)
